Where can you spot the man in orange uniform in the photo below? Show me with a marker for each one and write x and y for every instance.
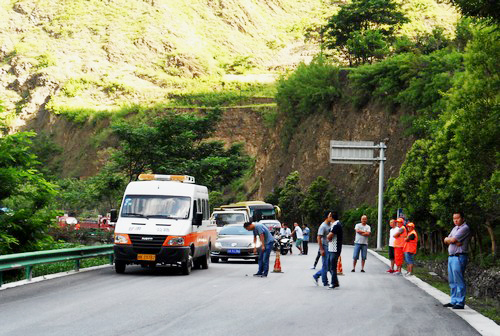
(410, 248)
(399, 244)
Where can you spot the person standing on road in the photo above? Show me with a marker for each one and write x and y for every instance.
(410, 248)
(458, 242)
(335, 237)
(399, 244)
(300, 236)
(363, 231)
(266, 240)
(323, 231)
(305, 242)
(392, 232)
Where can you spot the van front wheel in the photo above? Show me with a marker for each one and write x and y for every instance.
(120, 267)
(187, 265)
(205, 260)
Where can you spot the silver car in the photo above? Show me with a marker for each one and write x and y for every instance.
(234, 242)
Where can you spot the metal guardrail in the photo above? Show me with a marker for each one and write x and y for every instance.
(29, 259)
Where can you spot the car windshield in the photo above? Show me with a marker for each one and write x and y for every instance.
(235, 230)
(230, 218)
(148, 206)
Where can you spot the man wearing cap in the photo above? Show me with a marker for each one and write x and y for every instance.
(410, 247)
(399, 244)
(457, 241)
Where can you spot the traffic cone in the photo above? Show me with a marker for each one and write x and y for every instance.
(339, 266)
(277, 263)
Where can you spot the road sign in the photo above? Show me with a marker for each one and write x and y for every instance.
(362, 152)
(352, 152)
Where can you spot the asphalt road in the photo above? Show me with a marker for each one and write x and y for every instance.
(227, 300)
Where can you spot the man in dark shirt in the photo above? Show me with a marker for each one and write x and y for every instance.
(335, 237)
(457, 241)
(266, 241)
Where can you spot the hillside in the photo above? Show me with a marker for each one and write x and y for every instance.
(67, 68)
(101, 55)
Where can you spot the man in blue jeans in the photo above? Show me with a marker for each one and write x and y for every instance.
(267, 241)
(323, 231)
(458, 242)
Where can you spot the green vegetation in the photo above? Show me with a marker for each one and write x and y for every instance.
(25, 196)
(303, 206)
(364, 29)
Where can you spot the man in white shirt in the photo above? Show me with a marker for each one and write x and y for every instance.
(392, 232)
(361, 243)
(300, 236)
(285, 231)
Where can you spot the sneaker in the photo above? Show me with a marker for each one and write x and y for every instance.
(390, 271)
(257, 275)
(408, 274)
(362, 271)
(315, 280)
(314, 267)
(458, 307)
(396, 273)
(353, 270)
(448, 305)
(331, 287)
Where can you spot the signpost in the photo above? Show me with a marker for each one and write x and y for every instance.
(362, 152)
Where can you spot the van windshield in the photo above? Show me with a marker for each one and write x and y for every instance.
(148, 206)
(222, 219)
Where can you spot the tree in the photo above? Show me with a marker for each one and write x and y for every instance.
(482, 9)
(318, 198)
(174, 143)
(355, 20)
(458, 166)
(291, 198)
(25, 195)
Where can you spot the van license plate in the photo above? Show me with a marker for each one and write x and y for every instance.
(233, 251)
(148, 257)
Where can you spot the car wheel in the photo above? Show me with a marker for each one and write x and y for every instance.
(187, 265)
(284, 251)
(205, 260)
(214, 259)
(120, 267)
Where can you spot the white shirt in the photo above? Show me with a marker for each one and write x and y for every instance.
(392, 232)
(359, 238)
(285, 232)
(298, 232)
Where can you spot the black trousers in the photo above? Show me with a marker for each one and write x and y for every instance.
(333, 267)
(305, 247)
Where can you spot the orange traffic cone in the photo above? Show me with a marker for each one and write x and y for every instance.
(339, 266)
(277, 263)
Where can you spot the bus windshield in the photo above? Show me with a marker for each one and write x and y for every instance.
(154, 206)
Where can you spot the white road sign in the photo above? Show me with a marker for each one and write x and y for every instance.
(352, 152)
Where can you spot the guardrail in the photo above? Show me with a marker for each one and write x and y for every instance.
(29, 259)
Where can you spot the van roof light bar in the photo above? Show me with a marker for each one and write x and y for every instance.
(159, 177)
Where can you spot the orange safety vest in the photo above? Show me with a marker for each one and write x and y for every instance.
(400, 241)
(411, 246)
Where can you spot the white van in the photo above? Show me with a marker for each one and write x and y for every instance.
(164, 219)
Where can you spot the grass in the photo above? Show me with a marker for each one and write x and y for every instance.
(58, 267)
